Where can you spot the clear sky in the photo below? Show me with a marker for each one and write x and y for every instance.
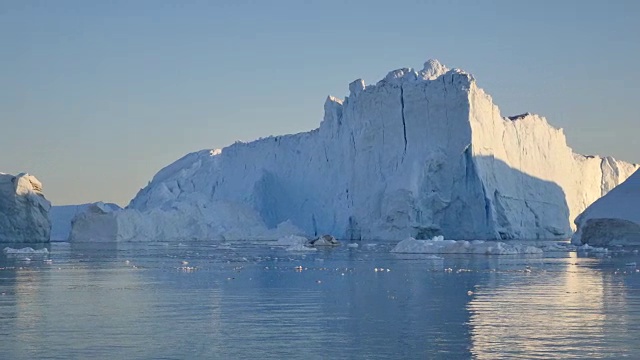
(97, 96)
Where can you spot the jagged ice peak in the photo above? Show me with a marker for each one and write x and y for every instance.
(432, 70)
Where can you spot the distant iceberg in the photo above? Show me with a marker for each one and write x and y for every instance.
(61, 216)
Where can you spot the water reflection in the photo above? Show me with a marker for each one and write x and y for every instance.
(251, 301)
(572, 309)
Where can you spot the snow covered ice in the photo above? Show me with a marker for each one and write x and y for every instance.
(419, 154)
(613, 219)
(24, 211)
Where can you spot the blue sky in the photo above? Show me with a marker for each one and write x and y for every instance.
(97, 96)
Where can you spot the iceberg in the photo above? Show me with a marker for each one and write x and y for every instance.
(419, 154)
(61, 216)
(614, 219)
(24, 211)
(324, 240)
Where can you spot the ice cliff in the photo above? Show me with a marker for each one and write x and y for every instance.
(419, 154)
(613, 219)
(24, 211)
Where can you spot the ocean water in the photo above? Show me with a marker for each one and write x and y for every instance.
(252, 301)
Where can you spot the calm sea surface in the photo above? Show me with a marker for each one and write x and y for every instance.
(253, 301)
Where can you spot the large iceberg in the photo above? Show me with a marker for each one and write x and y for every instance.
(419, 154)
(24, 211)
(614, 219)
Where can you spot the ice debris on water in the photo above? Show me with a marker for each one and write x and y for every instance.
(324, 240)
(300, 247)
(26, 250)
(593, 249)
(294, 243)
(438, 245)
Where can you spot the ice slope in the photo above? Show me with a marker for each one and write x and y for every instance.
(61, 216)
(614, 219)
(419, 154)
(24, 211)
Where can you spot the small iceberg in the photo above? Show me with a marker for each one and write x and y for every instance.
(324, 240)
(438, 245)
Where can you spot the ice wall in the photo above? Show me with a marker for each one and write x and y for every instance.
(420, 153)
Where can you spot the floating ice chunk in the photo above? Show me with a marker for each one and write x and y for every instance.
(557, 247)
(294, 243)
(352, 245)
(27, 250)
(324, 240)
(593, 249)
(438, 245)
